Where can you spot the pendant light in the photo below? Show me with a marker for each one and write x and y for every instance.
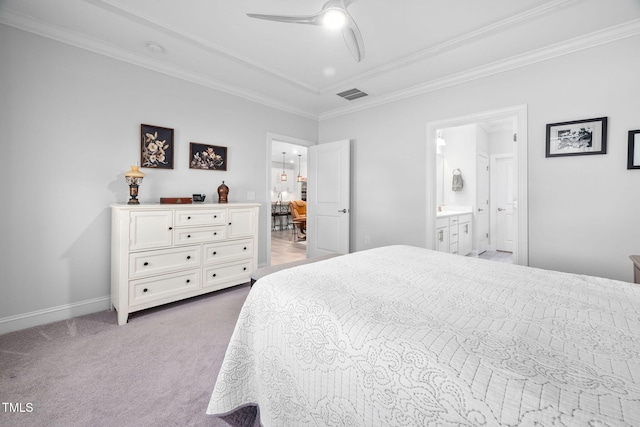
(283, 177)
(299, 178)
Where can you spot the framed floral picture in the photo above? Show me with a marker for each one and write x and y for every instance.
(577, 138)
(207, 157)
(156, 147)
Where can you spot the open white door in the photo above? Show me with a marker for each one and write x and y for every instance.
(504, 203)
(328, 185)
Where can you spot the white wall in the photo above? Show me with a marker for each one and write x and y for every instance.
(284, 190)
(501, 142)
(583, 210)
(460, 153)
(70, 123)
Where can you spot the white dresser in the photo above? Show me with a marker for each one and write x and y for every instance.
(162, 253)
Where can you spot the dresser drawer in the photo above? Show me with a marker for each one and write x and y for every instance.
(201, 217)
(227, 251)
(219, 274)
(187, 236)
(143, 291)
(161, 261)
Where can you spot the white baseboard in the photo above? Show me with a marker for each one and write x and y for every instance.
(53, 314)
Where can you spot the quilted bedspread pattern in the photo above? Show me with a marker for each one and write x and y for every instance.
(403, 336)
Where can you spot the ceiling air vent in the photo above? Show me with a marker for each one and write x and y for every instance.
(352, 94)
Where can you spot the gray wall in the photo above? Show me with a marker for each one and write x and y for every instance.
(70, 123)
(583, 210)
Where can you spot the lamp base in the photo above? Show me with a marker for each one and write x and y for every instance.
(133, 193)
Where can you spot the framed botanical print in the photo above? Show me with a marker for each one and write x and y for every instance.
(156, 149)
(577, 138)
(207, 157)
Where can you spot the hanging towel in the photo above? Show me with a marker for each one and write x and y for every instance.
(457, 180)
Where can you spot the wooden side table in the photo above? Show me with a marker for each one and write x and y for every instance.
(636, 268)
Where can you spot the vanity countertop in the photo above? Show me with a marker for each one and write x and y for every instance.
(446, 214)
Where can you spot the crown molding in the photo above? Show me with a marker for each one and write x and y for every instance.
(594, 39)
(439, 48)
(66, 36)
(129, 14)
(63, 35)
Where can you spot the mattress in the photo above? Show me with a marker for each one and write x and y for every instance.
(404, 336)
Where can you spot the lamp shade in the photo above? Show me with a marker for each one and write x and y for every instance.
(134, 173)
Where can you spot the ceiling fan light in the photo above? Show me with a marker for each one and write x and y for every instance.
(334, 19)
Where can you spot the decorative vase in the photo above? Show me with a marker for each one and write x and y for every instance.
(223, 192)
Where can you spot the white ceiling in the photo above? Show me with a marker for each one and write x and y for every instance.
(291, 153)
(411, 46)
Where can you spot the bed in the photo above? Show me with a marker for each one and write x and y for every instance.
(404, 336)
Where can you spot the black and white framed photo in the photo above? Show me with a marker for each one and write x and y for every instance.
(577, 138)
(207, 157)
(156, 149)
(633, 156)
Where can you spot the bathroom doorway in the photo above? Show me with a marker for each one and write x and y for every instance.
(493, 133)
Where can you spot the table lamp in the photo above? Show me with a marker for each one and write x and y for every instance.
(134, 179)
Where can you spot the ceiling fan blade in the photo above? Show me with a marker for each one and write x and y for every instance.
(306, 19)
(353, 39)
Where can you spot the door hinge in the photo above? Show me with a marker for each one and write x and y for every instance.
(515, 137)
(487, 235)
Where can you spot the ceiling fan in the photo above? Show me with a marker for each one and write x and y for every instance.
(333, 14)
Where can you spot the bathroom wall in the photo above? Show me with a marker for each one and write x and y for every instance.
(459, 153)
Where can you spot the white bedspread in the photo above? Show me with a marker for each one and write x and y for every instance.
(403, 336)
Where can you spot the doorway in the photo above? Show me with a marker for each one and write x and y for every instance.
(516, 117)
(286, 182)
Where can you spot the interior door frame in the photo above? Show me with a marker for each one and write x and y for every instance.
(519, 114)
(266, 217)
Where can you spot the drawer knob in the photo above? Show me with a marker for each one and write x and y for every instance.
(188, 281)
(188, 236)
(245, 248)
(213, 275)
(229, 223)
(215, 253)
(215, 216)
(170, 228)
(188, 217)
(245, 268)
(215, 233)
(145, 264)
(145, 290)
(188, 256)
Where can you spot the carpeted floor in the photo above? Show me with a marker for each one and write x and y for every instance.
(157, 370)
